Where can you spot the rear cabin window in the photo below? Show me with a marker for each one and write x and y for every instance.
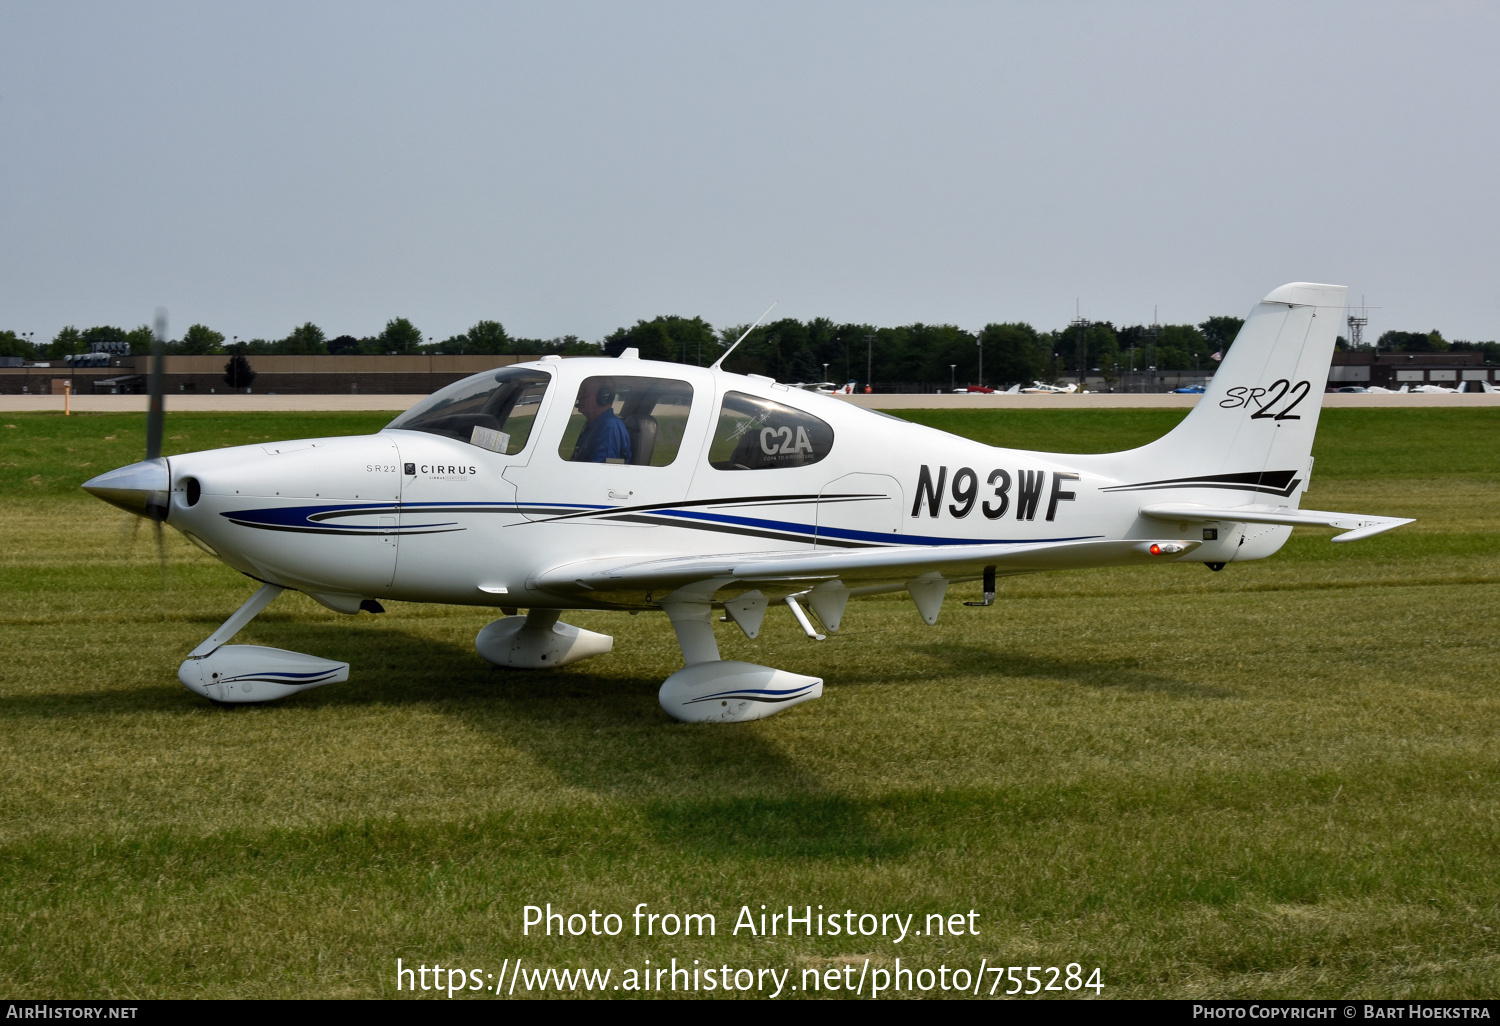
(758, 434)
(629, 420)
(494, 410)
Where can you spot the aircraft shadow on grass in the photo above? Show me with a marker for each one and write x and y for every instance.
(606, 734)
(403, 669)
(582, 725)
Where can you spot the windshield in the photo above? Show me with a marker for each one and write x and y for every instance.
(495, 410)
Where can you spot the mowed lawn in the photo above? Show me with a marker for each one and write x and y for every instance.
(1278, 780)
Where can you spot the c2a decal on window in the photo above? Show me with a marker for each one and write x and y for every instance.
(1281, 393)
(965, 490)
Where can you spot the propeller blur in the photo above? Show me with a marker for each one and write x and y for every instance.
(627, 484)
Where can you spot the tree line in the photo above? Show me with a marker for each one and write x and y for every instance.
(400, 337)
(1433, 342)
(788, 349)
(820, 349)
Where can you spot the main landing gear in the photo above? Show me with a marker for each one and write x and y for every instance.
(710, 689)
(707, 689)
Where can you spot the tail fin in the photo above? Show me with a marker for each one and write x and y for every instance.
(1252, 432)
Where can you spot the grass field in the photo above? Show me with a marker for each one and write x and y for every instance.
(1278, 780)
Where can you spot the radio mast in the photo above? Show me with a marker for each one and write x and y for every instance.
(1357, 326)
(1082, 356)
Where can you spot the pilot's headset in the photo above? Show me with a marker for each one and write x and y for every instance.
(605, 396)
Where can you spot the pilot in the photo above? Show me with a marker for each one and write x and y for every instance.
(605, 438)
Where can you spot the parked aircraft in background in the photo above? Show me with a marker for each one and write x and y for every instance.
(626, 484)
(1463, 387)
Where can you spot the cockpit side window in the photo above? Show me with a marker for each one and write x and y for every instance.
(758, 434)
(495, 410)
(625, 419)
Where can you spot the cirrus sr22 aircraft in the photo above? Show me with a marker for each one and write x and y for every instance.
(725, 492)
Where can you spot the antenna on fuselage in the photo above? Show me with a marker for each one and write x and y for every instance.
(715, 364)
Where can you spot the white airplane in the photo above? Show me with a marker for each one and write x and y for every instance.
(1038, 388)
(719, 492)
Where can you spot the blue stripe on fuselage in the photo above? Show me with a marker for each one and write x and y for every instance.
(308, 517)
(848, 534)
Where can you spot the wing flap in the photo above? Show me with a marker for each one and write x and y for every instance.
(1355, 525)
(897, 562)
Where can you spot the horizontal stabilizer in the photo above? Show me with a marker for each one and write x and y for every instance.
(896, 562)
(1355, 525)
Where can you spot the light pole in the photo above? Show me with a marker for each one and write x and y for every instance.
(825, 370)
(869, 362)
(979, 345)
(953, 376)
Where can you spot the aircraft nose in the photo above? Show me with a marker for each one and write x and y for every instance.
(140, 488)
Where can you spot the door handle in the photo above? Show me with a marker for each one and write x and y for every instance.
(620, 495)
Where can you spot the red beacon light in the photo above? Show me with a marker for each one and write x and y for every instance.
(1155, 549)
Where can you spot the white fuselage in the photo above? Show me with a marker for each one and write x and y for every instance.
(631, 484)
(422, 517)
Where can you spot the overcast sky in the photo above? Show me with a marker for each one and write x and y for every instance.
(566, 168)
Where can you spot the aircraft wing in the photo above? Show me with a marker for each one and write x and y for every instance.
(1355, 525)
(890, 563)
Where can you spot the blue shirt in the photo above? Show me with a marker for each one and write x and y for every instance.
(604, 438)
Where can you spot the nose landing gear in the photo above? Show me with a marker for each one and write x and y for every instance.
(253, 673)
